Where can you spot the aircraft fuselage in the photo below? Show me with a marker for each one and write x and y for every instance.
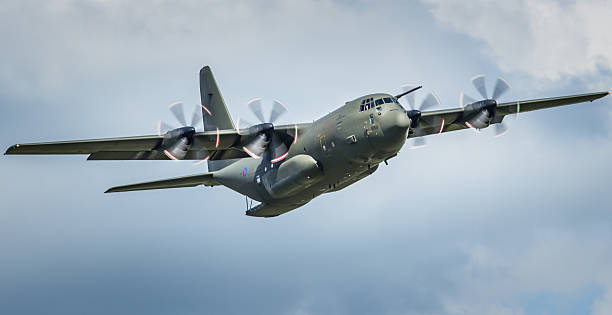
(329, 154)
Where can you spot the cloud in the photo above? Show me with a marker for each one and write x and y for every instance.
(470, 224)
(545, 39)
(603, 305)
(521, 278)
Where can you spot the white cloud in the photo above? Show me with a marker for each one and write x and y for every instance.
(554, 261)
(546, 39)
(603, 306)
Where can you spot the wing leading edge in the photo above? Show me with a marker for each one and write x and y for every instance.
(445, 120)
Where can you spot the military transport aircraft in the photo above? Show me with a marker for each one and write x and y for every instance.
(284, 167)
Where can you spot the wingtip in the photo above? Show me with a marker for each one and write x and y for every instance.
(11, 149)
(604, 94)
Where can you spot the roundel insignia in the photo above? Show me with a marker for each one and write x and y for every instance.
(244, 172)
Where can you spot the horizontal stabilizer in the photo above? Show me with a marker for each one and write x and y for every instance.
(178, 182)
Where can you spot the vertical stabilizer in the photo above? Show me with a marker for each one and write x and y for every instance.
(214, 111)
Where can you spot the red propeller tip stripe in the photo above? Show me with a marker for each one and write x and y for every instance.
(250, 153)
(418, 147)
(168, 154)
(441, 127)
(501, 134)
(174, 104)
(254, 100)
(280, 158)
(217, 142)
(206, 109)
(202, 160)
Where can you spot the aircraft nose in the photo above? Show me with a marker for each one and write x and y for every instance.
(395, 124)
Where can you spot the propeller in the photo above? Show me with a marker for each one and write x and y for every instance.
(480, 114)
(430, 100)
(180, 140)
(262, 140)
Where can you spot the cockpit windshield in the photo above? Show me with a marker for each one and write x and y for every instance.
(370, 103)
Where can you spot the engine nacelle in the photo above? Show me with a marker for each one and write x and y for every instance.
(295, 174)
(176, 142)
(179, 148)
(480, 114)
(481, 120)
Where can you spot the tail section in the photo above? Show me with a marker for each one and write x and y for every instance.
(215, 165)
(214, 111)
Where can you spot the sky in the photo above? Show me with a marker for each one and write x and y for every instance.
(470, 224)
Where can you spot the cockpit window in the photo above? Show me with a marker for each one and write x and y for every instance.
(366, 104)
(369, 103)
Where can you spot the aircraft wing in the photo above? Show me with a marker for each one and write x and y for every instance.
(445, 120)
(221, 145)
(126, 148)
(88, 146)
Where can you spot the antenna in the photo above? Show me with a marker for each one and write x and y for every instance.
(407, 92)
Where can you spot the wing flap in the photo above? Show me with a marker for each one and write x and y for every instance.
(227, 154)
(128, 155)
(177, 182)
